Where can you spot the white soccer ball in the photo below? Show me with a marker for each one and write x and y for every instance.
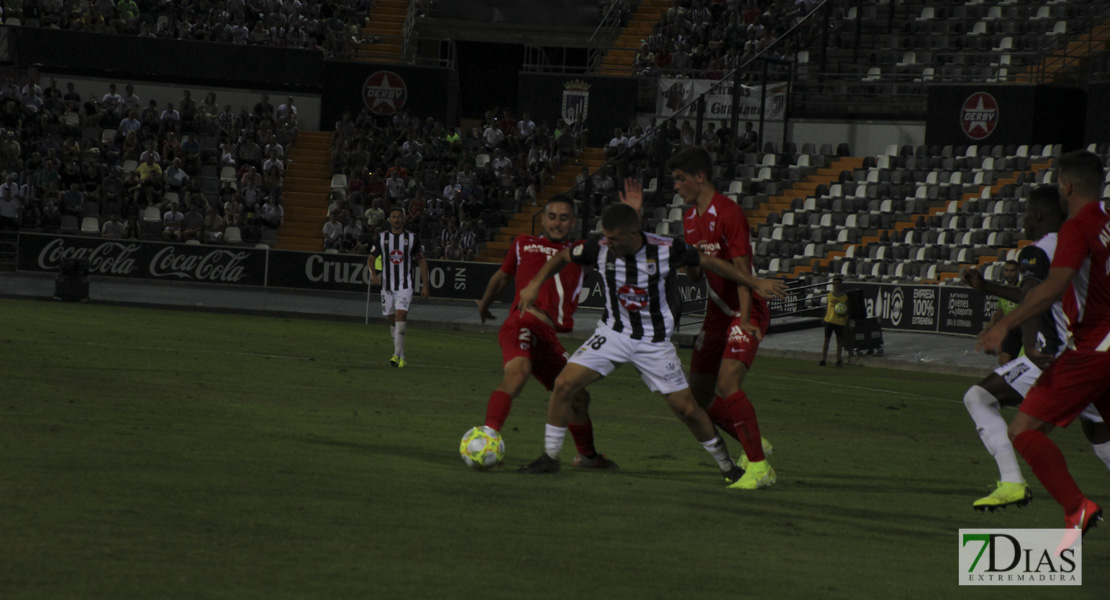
(482, 448)
(840, 308)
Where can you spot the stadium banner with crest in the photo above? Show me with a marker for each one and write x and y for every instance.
(1013, 114)
(673, 94)
(387, 90)
(602, 102)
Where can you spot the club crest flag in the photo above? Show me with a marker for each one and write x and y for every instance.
(576, 100)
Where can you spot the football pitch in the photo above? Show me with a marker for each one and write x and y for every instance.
(171, 454)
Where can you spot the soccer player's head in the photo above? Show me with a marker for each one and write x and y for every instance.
(558, 218)
(1079, 175)
(693, 173)
(1010, 272)
(397, 219)
(1043, 212)
(620, 224)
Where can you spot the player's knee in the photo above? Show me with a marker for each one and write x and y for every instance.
(977, 396)
(564, 390)
(582, 399)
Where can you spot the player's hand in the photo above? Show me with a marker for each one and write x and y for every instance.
(990, 341)
(752, 330)
(973, 278)
(528, 295)
(375, 279)
(483, 312)
(771, 287)
(633, 194)
(425, 291)
(1039, 358)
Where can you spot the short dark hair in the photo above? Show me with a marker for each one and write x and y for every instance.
(561, 199)
(1011, 263)
(397, 209)
(692, 160)
(620, 217)
(1046, 199)
(1083, 169)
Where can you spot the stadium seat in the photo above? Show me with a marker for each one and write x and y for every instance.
(90, 226)
(233, 235)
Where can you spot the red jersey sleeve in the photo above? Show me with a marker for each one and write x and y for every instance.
(509, 264)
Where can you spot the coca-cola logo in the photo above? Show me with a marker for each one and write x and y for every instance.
(221, 266)
(108, 258)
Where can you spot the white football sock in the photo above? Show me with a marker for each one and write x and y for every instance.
(716, 447)
(1102, 451)
(393, 331)
(986, 413)
(399, 339)
(553, 440)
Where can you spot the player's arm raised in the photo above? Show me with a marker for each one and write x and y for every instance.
(530, 292)
(1038, 300)
(633, 195)
(496, 285)
(372, 264)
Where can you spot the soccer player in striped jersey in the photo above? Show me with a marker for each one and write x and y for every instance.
(529, 344)
(641, 309)
(1043, 337)
(400, 252)
(1080, 276)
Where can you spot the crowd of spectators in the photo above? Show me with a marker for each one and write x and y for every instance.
(140, 170)
(332, 25)
(709, 38)
(455, 185)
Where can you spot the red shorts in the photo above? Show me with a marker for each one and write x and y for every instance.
(718, 341)
(527, 336)
(1067, 386)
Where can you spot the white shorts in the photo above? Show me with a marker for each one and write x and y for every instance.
(395, 301)
(1021, 374)
(657, 362)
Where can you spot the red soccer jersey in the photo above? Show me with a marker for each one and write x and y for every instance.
(1082, 245)
(558, 295)
(722, 232)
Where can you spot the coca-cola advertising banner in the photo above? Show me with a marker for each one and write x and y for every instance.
(148, 260)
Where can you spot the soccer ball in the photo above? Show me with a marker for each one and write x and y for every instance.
(840, 308)
(482, 448)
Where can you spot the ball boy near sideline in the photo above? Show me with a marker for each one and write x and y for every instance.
(529, 344)
(641, 310)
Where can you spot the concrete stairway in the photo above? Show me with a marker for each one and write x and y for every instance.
(618, 61)
(307, 185)
(386, 22)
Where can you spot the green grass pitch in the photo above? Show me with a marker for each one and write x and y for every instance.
(168, 454)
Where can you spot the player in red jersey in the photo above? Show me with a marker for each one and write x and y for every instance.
(1080, 278)
(529, 345)
(736, 318)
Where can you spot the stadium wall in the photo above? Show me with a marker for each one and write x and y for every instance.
(864, 138)
(1006, 114)
(608, 102)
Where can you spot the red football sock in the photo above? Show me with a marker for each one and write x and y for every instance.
(498, 409)
(747, 428)
(721, 416)
(1048, 464)
(583, 434)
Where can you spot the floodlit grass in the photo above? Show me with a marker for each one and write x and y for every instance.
(167, 454)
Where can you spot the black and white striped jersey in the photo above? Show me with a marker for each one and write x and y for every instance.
(400, 253)
(1034, 261)
(641, 291)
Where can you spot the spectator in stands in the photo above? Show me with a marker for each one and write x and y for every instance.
(273, 215)
(188, 111)
(10, 211)
(214, 227)
(453, 251)
(175, 176)
(172, 221)
(111, 101)
(287, 111)
(375, 214)
(192, 225)
(114, 227)
(748, 141)
(149, 166)
(234, 211)
(333, 232)
(73, 200)
(263, 110)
